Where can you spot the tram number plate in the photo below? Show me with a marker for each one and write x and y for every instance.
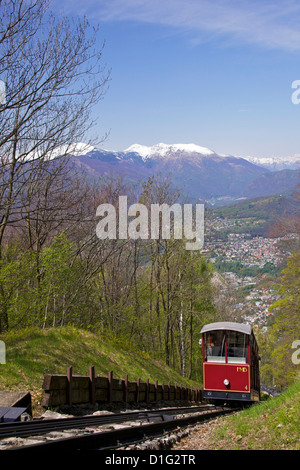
(241, 369)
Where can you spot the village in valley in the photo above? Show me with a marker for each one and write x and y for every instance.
(247, 265)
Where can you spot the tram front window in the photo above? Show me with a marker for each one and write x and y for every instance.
(237, 347)
(215, 346)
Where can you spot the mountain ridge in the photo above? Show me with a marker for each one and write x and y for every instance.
(198, 172)
(162, 149)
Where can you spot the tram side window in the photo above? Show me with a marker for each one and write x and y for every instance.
(215, 346)
(237, 347)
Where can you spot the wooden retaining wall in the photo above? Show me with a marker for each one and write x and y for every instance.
(72, 389)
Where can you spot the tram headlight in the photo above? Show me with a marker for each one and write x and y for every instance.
(226, 382)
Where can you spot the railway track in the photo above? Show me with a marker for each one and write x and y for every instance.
(145, 425)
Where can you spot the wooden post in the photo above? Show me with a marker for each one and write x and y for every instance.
(180, 391)
(69, 385)
(109, 390)
(138, 389)
(175, 390)
(92, 385)
(156, 382)
(169, 390)
(126, 388)
(147, 390)
(185, 392)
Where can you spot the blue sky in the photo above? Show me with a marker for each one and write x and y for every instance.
(214, 73)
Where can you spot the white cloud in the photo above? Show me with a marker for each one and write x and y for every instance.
(268, 23)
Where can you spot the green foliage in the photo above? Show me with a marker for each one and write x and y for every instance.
(243, 271)
(57, 277)
(286, 327)
(261, 208)
(157, 307)
(35, 286)
(18, 287)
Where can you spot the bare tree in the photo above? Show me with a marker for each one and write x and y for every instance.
(53, 72)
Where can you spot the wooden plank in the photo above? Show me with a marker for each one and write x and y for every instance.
(131, 387)
(101, 382)
(80, 395)
(126, 388)
(118, 384)
(69, 385)
(80, 382)
(117, 395)
(92, 385)
(109, 390)
(147, 391)
(131, 397)
(101, 394)
(142, 396)
(54, 398)
(54, 382)
(137, 397)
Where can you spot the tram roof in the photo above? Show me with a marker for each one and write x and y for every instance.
(228, 325)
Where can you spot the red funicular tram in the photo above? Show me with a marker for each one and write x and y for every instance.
(230, 362)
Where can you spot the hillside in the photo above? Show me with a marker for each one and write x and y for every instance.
(260, 207)
(283, 181)
(257, 215)
(270, 425)
(33, 352)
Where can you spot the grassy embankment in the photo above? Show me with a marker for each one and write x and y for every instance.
(33, 352)
(270, 425)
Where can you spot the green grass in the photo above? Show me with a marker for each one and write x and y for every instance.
(270, 425)
(33, 352)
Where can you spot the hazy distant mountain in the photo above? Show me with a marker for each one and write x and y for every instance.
(280, 182)
(276, 164)
(197, 171)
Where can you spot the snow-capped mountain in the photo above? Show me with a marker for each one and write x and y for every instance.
(161, 150)
(197, 171)
(276, 163)
(173, 150)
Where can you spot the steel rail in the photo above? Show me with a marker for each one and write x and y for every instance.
(108, 440)
(35, 427)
